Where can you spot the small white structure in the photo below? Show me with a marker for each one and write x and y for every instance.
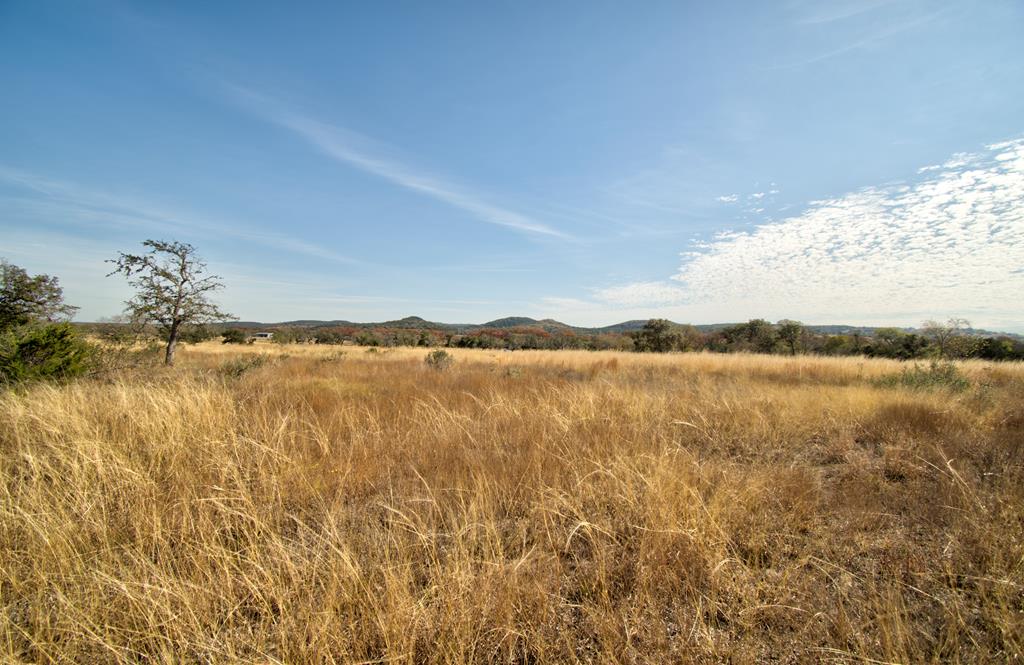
(263, 335)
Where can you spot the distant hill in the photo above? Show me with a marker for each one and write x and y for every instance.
(625, 326)
(415, 323)
(552, 326)
(511, 322)
(548, 325)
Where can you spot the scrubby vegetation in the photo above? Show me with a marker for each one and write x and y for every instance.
(236, 367)
(36, 342)
(936, 374)
(439, 359)
(54, 351)
(259, 504)
(952, 339)
(235, 336)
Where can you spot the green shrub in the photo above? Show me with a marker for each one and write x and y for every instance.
(439, 359)
(367, 339)
(329, 337)
(196, 334)
(235, 336)
(936, 374)
(239, 366)
(52, 351)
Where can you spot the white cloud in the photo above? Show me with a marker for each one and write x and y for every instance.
(354, 150)
(950, 244)
(960, 160)
(642, 293)
(554, 303)
(731, 198)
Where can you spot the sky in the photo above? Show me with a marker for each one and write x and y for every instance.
(857, 162)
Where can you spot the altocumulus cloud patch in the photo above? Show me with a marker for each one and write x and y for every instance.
(952, 243)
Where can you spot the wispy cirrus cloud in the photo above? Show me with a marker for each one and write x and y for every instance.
(350, 148)
(951, 243)
(41, 197)
(821, 13)
(878, 32)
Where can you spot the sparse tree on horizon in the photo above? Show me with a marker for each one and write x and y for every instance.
(942, 334)
(791, 333)
(172, 289)
(658, 336)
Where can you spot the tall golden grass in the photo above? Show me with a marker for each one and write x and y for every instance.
(525, 507)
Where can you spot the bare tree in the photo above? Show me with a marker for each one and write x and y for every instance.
(172, 289)
(941, 334)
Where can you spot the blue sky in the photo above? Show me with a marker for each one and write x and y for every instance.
(844, 162)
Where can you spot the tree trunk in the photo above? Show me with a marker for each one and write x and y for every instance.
(172, 342)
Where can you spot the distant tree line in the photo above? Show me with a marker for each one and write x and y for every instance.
(952, 339)
(524, 337)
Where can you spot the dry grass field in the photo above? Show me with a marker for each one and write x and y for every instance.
(274, 504)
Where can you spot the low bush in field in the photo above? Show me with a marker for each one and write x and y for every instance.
(936, 374)
(236, 367)
(439, 359)
(235, 336)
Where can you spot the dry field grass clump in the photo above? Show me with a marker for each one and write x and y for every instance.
(298, 504)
